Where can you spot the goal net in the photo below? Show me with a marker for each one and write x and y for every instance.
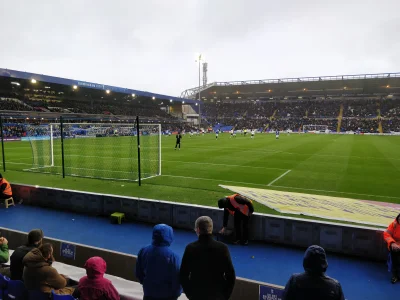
(96, 150)
(318, 128)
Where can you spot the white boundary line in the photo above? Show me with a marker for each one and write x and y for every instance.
(276, 179)
(215, 180)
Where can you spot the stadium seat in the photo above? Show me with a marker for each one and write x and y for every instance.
(61, 297)
(118, 217)
(3, 286)
(37, 295)
(16, 290)
(9, 202)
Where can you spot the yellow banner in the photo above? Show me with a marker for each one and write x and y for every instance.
(332, 208)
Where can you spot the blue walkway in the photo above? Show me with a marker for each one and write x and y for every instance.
(273, 264)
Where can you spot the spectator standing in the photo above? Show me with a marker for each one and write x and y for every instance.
(392, 239)
(157, 266)
(241, 209)
(94, 286)
(207, 271)
(39, 275)
(5, 188)
(313, 284)
(35, 237)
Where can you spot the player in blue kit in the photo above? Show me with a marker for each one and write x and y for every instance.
(277, 134)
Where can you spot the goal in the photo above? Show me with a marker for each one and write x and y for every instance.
(96, 150)
(315, 128)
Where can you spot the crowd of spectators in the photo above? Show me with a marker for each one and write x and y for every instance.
(13, 104)
(205, 271)
(362, 115)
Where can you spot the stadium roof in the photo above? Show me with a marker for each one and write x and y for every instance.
(381, 84)
(70, 83)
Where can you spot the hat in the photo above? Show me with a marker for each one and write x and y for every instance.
(1, 176)
(222, 203)
(34, 236)
(315, 260)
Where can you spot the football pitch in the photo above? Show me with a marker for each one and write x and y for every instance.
(351, 166)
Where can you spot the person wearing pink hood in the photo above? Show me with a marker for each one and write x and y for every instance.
(94, 286)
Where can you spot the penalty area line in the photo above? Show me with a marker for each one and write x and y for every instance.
(276, 179)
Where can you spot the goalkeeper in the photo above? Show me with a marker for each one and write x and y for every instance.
(178, 141)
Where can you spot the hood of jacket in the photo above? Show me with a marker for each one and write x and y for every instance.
(35, 259)
(163, 235)
(95, 267)
(315, 261)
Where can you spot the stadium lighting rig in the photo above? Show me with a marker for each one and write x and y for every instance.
(33, 80)
(75, 87)
(133, 95)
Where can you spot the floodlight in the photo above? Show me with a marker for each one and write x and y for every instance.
(133, 95)
(33, 80)
(153, 98)
(75, 87)
(107, 91)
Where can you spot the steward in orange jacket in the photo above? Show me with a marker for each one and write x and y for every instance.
(241, 209)
(5, 188)
(392, 239)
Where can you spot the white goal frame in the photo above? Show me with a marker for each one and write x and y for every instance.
(323, 128)
(54, 127)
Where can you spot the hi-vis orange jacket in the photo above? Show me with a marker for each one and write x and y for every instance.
(243, 208)
(7, 189)
(392, 233)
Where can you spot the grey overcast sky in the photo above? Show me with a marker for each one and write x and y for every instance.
(151, 44)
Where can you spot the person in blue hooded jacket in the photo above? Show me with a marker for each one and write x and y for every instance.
(157, 267)
(313, 284)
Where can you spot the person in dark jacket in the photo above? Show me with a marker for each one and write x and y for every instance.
(207, 271)
(35, 237)
(157, 266)
(313, 284)
(241, 208)
(94, 286)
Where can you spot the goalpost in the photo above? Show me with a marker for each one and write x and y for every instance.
(319, 128)
(112, 151)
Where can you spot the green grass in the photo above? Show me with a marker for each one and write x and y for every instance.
(352, 166)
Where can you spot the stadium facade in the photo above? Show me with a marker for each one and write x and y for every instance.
(320, 87)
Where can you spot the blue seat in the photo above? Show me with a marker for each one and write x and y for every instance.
(3, 286)
(16, 290)
(61, 297)
(38, 295)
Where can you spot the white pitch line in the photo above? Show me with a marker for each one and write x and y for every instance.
(276, 179)
(215, 180)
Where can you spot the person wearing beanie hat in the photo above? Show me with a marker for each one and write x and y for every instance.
(241, 209)
(35, 237)
(94, 285)
(313, 284)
